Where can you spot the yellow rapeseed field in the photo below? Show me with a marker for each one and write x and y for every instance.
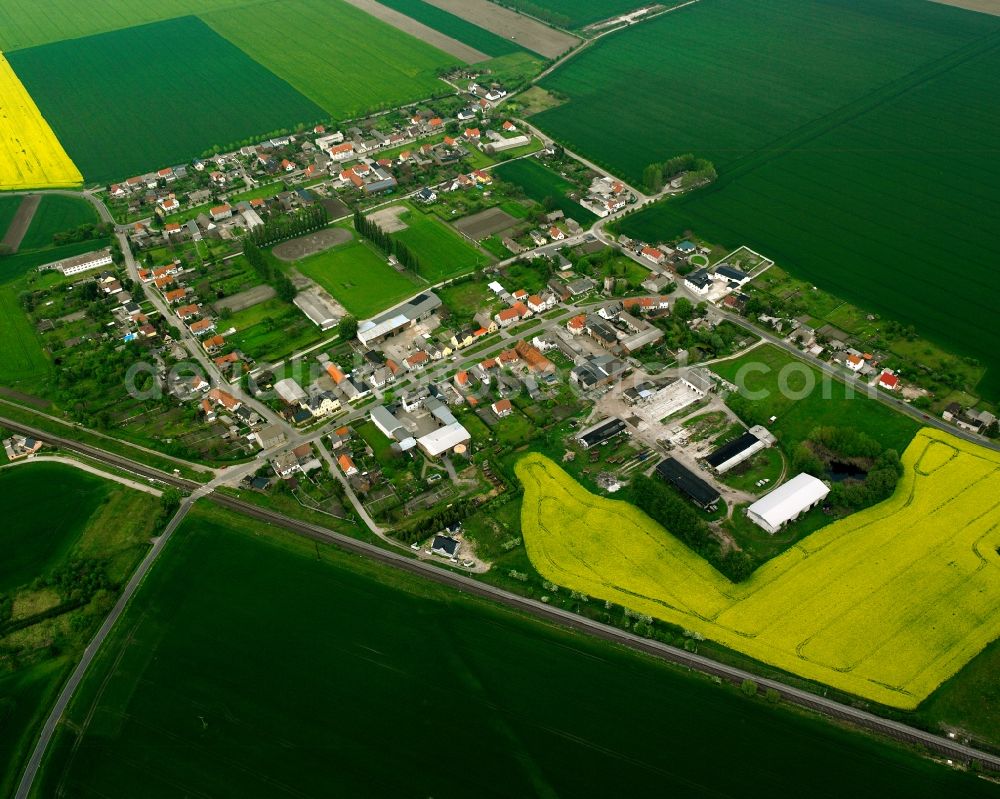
(31, 156)
(885, 604)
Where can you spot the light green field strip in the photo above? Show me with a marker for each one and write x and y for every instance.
(27, 23)
(341, 58)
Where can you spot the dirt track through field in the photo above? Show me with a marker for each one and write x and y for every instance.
(21, 222)
(985, 6)
(485, 223)
(246, 299)
(432, 37)
(527, 32)
(311, 244)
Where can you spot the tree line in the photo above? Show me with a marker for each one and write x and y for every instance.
(695, 171)
(289, 226)
(666, 506)
(384, 242)
(268, 273)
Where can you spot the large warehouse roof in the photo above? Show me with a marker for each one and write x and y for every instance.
(787, 501)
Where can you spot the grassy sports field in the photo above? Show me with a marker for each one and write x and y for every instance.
(830, 403)
(885, 604)
(343, 59)
(174, 703)
(57, 214)
(443, 253)
(31, 157)
(359, 278)
(544, 186)
(151, 115)
(61, 514)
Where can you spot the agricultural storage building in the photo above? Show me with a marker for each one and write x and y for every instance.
(688, 483)
(735, 452)
(290, 391)
(787, 502)
(601, 432)
(387, 324)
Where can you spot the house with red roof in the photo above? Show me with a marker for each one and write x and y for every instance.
(502, 408)
(888, 381)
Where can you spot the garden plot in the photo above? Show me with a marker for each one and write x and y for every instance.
(485, 223)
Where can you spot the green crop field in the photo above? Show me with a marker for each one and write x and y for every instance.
(57, 214)
(867, 212)
(216, 684)
(34, 542)
(359, 278)
(827, 158)
(343, 59)
(156, 111)
(764, 370)
(723, 90)
(457, 28)
(442, 252)
(574, 13)
(30, 24)
(544, 186)
(53, 515)
(8, 208)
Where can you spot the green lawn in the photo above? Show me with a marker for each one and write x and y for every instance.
(765, 369)
(57, 214)
(150, 128)
(545, 187)
(271, 330)
(442, 252)
(24, 364)
(343, 59)
(174, 703)
(359, 278)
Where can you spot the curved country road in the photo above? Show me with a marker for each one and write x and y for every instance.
(829, 707)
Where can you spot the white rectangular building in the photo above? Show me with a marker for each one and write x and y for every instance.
(80, 263)
(787, 502)
(290, 391)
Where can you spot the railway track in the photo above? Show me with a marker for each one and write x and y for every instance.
(833, 709)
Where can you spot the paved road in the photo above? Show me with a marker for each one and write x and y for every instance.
(403, 561)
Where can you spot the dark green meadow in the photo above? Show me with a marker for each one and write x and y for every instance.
(895, 209)
(154, 96)
(767, 369)
(328, 675)
(712, 79)
(56, 515)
